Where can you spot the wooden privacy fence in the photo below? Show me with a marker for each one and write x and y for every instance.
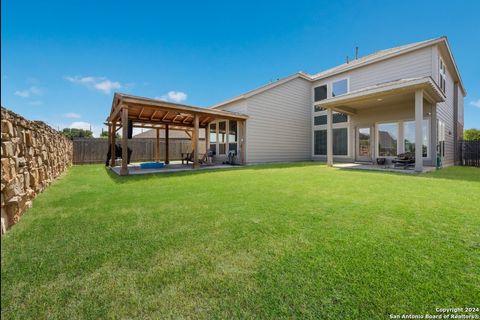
(94, 150)
(470, 153)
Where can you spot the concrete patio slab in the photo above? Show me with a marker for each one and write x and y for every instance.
(387, 168)
(134, 169)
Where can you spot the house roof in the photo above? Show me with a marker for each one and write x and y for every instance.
(263, 88)
(357, 63)
(389, 53)
(373, 57)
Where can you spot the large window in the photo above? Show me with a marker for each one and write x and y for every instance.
(339, 87)
(232, 136)
(442, 75)
(320, 142)
(409, 137)
(222, 137)
(320, 120)
(320, 93)
(340, 142)
(387, 139)
(213, 138)
(441, 138)
(339, 118)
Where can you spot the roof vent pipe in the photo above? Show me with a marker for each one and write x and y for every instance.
(356, 53)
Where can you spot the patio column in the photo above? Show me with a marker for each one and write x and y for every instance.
(124, 168)
(167, 160)
(157, 146)
(329, 138)
(196, 151)
(418, 130)
(113, 133)
(243, 140)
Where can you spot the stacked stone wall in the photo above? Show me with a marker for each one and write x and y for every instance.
(33, 155)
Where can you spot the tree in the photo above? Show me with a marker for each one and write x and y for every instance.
(471, 134)
(72, 133)
(104, 135)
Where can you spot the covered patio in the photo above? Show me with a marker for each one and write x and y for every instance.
(128, 112)
(408, 102)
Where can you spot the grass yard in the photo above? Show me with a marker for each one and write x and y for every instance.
(277, 241)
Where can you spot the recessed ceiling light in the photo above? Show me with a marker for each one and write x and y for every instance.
(379, 99)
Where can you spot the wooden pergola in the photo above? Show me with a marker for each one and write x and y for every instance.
(163, 115)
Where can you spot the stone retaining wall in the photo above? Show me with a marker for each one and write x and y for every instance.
(33, 155)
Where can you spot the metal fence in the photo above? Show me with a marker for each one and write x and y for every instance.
(95, 150)
(470, 153)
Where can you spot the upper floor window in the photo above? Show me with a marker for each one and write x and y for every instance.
(442, 76)
(320, 92)
(339, 87)
(340, 118)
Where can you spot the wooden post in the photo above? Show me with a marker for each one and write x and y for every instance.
(113, 134)
(207, 139)
(195, 141)
(167, 160)
(124, 168)
(157, 148)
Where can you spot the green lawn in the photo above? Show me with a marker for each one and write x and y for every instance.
(276, 241)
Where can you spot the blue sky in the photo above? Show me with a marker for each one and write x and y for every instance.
(62, 60)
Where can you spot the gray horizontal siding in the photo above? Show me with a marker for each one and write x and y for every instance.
(410, 65)
(279, 125)
(445, 113)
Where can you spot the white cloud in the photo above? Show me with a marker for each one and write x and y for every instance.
(475, 103)
(97, 83)
(72, 115)
(32, 91)
(174, 96)
(80, 125)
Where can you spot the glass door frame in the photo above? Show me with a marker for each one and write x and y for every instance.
(358, 157)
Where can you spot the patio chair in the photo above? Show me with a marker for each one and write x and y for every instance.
(118, 153)
(189, 157)
(404, 160)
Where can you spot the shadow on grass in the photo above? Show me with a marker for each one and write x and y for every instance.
(165, 175)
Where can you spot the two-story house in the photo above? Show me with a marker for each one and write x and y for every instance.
(376, 106)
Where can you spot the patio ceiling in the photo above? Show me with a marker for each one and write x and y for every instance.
(388, 93)
(152, 113)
